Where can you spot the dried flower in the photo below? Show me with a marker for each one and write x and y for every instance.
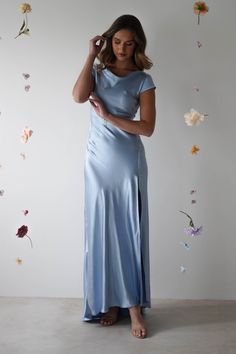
(26, 76)
(193, 201)
(22, 232)
(194, 149)
(199, 44)
(26, 134)
(192, 231)
(23, 155)
(25, 211)
(27, 87)
(193, 117)
(19, 261)
(200, 8)
(185, 245)
(24, 8)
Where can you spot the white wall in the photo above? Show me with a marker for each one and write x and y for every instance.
(50, 181)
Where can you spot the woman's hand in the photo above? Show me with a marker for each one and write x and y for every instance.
(94, 48)
(98, 106)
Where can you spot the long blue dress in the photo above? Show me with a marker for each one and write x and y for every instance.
(116, 234)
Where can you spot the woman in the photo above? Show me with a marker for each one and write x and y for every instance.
(116, 258)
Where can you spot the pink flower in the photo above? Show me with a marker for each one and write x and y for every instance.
(26, 76)
(27, 87)
(26, 134)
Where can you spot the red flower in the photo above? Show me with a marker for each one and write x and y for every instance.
(200, 8)
(22, 231)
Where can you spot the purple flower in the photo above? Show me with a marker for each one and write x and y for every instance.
(193, 231)
(22, 232)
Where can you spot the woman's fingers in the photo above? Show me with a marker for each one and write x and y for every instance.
(93, 97)
(98, 46)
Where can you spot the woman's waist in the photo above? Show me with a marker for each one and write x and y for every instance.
(106, 129)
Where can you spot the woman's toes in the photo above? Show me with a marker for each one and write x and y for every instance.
(139, 332)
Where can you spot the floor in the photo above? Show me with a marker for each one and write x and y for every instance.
(54, 326)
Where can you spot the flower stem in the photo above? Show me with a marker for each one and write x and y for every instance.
(26, 20)
(198, 18)
(30, 241)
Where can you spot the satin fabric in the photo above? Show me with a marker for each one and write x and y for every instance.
(116, 234)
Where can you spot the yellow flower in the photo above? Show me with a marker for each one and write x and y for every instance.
(194, 149)
(25, 8)
(19, 261)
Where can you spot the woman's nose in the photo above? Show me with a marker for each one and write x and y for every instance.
(121, 47)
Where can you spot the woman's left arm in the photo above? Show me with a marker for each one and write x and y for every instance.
(144, 126)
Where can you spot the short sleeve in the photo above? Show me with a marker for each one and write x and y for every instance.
(147, 83)
(94, 69)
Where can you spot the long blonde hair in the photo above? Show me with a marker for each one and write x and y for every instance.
(130, 22)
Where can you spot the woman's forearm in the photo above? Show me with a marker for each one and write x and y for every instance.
(139, 127)
(85, 81)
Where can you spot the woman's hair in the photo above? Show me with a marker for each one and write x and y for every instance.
(131, 23)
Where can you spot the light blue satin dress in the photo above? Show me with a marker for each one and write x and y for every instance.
(116, 239)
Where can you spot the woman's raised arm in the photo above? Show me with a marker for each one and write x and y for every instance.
(85, 82)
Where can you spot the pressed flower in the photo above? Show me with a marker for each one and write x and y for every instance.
(23, 155)
(26, 76)
(193, 191)
(200, 8)
(193, 117)
(199, 44)
(1, 192)
(192, 231)
(193, 201)
(26, 134)
(22, 232)
(185, 245)
(19, 261)
(27, 87)
(183, 269)
(24, 8)
(194, 149)
(25, 211)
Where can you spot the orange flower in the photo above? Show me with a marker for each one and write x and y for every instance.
(194, 149)
(200, 8)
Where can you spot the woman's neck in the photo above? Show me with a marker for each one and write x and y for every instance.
(125, 65)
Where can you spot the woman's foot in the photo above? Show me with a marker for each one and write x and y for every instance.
(110, 317)
(138, 328)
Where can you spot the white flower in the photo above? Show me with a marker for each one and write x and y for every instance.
(193, 117)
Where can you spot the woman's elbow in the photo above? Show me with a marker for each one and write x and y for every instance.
(149, 133)
(149, 130)
(79, 99)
